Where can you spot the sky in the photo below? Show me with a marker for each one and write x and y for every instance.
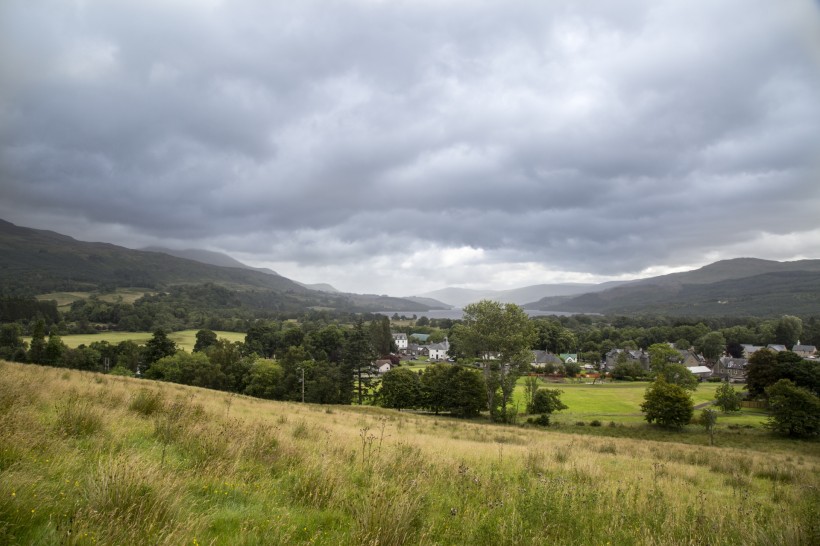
(398, 147)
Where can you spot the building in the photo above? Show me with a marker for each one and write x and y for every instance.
(438, 351)
(401, 341)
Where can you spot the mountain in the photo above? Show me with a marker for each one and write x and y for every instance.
(208, 257)
(432, 303)
(34, 262)
(459, 297)
(738, 287)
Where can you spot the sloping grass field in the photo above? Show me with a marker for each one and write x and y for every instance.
(93, 459)
(185, 339)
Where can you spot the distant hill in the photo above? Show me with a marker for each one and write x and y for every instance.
(208, 257)
(34, 262)
(432, 303)
(739, 287)
(223, 260)
(459, 297)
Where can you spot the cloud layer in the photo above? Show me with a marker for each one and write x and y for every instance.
(398, 147)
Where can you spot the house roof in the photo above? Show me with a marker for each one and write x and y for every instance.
(698, 369)
(775, 347)
(420, 337)
(565, 356)
(804, 348)
(443, 346)
(543, 357)
(399, 336)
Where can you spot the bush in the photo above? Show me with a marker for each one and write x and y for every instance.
(76, 417)
(727, 399)
(595, 423)
(547, 401)
(146, 402)
(714, 379)
(795, 411)
(667, 404)
(542, 420)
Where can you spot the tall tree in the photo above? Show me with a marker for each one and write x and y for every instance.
(788, 330)
(37, 348)
(357, 364)
(500, 337)
(159, 346)
(204, 339)
(380, 336)
(711, 346)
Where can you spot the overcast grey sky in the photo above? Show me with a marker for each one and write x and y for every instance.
(402, 146)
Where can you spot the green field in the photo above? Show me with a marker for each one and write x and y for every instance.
(185, 339)
(124, 295)
(93, 459)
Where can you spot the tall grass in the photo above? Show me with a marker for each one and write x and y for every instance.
(166, 464)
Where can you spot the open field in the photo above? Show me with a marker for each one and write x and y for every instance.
(185, 339)
(126, 295)
(86, 458)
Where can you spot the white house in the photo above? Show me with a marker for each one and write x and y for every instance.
(401, 341)
(383, 366)
(438, 351)
(700, 372)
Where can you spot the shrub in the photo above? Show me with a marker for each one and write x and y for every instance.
(542, 420)
(146, 402)
(595, 423)
(76, 417)
(794, 410)
(727, 399)
(547, 401)
(667, 404)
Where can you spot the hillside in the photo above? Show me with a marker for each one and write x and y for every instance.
(459, 297)
(87, 458)
(742, 287)
(34, 262)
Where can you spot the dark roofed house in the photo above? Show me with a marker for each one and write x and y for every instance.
(731, 369)
(776, 348)
(540, 359)
(805, 351)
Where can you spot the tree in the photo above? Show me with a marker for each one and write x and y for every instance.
(435, 387)
(547, 401)
(667, 404)
(794, 411)
(264, 378)
(499, 336)
(228, 356)
(788, 330)
(711, 346)
(204, 339)
(708, 420)
(12, 346)
(661, 355)
(679, 375)
(188, 369)
(357, 363)
(400, 389)
(530, 388)
(631, 370)
(761, 371)
(727, 398)
(380, 336)
(37, 347)
(159, 346)
(466, 392)
(55, 348)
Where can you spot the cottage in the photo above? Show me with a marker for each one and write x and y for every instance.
(731, 369)
(438, 351)
(383, 366)
(569, 358)
(400, 341)
(749, 350)
(776, 348)
(806, 351)
(540, 359)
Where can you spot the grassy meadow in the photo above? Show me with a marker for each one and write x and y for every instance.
(124, 295)
(93, 459)
(185, 339)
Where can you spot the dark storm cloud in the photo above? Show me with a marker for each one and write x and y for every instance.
(579, 136)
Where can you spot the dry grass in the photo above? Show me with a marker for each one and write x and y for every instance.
(202, 467)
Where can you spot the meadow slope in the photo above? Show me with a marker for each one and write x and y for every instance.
(87, 458)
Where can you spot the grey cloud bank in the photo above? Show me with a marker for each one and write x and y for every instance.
(397, 147)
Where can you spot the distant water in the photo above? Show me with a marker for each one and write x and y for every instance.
(459, 313)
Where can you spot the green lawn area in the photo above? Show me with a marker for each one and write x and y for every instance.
(620, 402)
(185, 339)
